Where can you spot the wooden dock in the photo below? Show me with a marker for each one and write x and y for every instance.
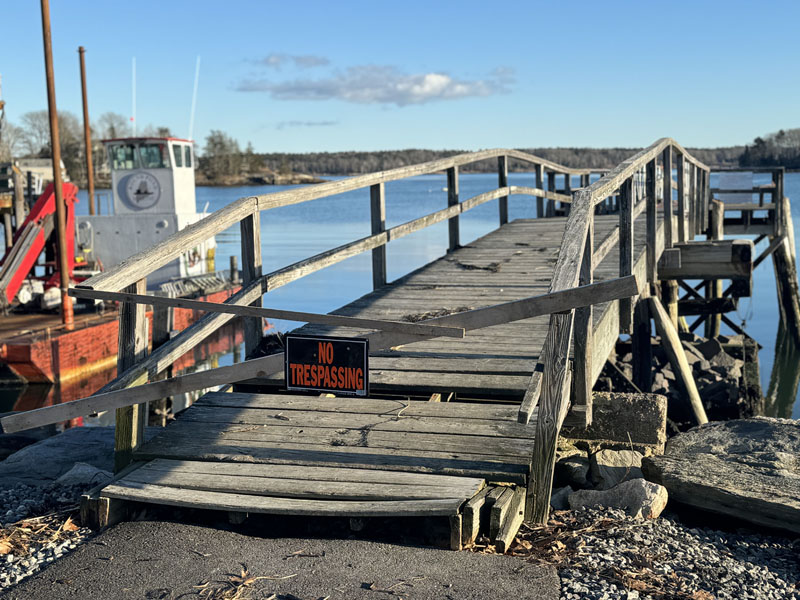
(476, 360)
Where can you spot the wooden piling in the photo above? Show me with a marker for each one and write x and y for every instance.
(641, 347)
(714, 287)
(671, 343)
(785, 263)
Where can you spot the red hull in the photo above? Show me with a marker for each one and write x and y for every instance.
(53, 355)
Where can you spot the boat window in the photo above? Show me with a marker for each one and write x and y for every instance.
(154, 156)
(188, 154)
(122, 156)
(176, 151)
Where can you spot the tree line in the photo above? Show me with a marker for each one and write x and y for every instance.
(221, 155)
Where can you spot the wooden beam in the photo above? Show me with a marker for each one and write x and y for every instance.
(681, 175)
(132, 418)
(666, 168)
(671, 343)
(502, 181)
(641, 347)
(531, 398)
(250, 228)
(565, 300)
(582, 381)
(650, 217)
(714, 288)
(540, 185)
(377, 204)
(452, 200)
(715, 259)
(626, 250)
(273, 313)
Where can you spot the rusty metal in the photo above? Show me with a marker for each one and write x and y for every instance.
(87, 133)
(55, 144)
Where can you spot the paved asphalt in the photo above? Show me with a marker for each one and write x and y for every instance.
(166, 560)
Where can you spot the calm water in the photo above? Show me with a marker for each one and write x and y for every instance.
(296, 232)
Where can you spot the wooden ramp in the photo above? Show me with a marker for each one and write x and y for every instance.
(342, 457)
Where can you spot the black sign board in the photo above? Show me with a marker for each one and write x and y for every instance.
(327, 364)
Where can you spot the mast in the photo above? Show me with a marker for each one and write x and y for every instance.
(87, 133)
(55, 143)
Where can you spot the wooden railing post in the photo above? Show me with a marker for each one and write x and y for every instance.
(681, 175)
(777, 200)
(502, 181)
(452, 200)
(567, 192)
(551, 186)
(626, 250)
(651, 215)
(250, 228)
(377, 204)
(131, 349)
(539, 185)
(666, 168)
(714, 288)
(583, 333)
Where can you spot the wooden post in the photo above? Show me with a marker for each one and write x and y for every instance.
(87, 133)
(626, 249)
(666, 168)
(132, 349)
(452, 200)
(502, 181)
(539, 185)
(681, 175)
(8, 230)
(651, 216)
(777, 199)
(250, 228)
(692, 201)
(714, 287)
(377, 206)
(19, 201)
(785, 263)
(706, 198)
(233, 270)
(671, 343)
(641, 348)
(551, 186)
(669, 298)
(583, 333)
(567, 192)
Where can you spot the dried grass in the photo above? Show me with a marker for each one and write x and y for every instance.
(21, 536)
(236, 587)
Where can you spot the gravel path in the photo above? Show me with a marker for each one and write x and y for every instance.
(32, 529)
(605, 555)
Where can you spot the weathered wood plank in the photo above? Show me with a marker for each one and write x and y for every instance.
(158, 494)
(626, 250)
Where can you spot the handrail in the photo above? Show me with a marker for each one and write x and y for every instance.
(140, 265)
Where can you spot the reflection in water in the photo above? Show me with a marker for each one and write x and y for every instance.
(785, 376)
(222, 348)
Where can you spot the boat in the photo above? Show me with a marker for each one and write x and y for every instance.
(152, 197)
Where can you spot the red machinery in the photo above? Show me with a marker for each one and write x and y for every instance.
(33, 237)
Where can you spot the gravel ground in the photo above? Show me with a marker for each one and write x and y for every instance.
(605, 555)
(600, 554)
(32, 529)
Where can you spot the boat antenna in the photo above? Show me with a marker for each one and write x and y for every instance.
(133, 94)
(194, 98)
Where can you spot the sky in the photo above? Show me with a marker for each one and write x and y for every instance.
(331, 76)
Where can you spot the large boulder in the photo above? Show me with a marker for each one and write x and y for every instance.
(748, 468)
(639, 498)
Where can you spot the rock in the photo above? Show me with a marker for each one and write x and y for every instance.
(638, 419)
(748, 469)
(692, 354)
(45, 461)
(10, 443)
(639, 498)
(85, 475)
(709, 348)
(559, 498)
(574, 471)
(725, 360)
(610, 467)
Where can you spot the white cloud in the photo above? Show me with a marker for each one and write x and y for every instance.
(376, 84)
(301, 61)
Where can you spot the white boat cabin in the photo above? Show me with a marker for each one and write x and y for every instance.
(153, 192)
